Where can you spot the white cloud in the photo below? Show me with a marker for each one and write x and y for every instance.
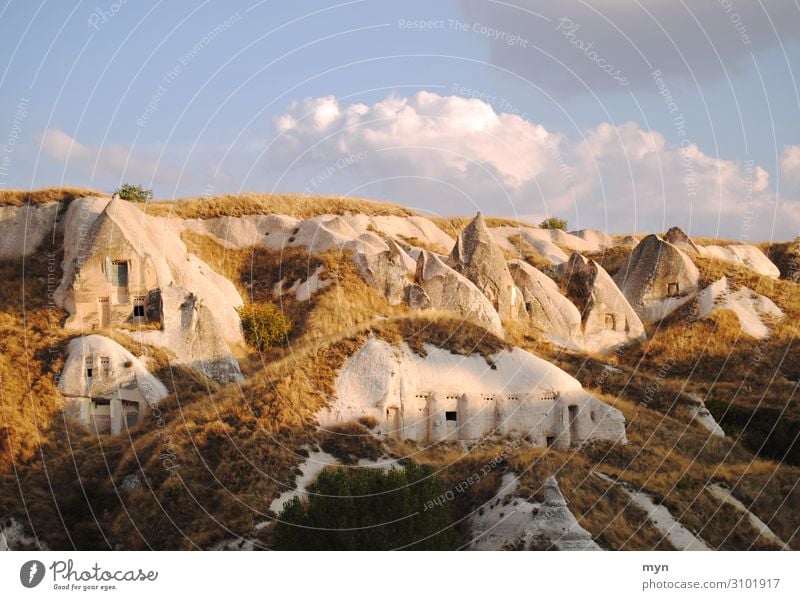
(111, 161)
(449, 154)
(790, 164)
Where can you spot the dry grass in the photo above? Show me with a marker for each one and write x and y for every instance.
(213, 458)
(425, 245)
(439, 329)
(529, 254)
(299, 206)
(452, 226)
(611, 259)
(44, 196)
(786, 256)
(350, 442)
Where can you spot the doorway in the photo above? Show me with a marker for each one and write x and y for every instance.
(573, 423)
(104, 310)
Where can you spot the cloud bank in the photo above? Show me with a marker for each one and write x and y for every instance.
(453, 155)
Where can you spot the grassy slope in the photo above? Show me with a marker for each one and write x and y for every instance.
(238, 449)
(44, 196)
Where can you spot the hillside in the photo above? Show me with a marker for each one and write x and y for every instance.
(403, 330)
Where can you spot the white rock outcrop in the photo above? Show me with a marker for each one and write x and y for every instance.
(122, 266)
(13, 537)
(555, 522)
(24, 228)
(548, 309)
(678, 238)
(701, 415)
(657, 279)
(660, 517)
(750, 308)
(607, 316)
(724, 495)
(744, 255)
(389, 272)
(480, 259)
(439, 287)
(445, 396)
(105, 386)
(596, 239)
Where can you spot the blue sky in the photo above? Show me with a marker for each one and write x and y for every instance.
(524, 108)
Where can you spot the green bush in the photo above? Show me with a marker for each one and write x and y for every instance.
(369, 509)
(264, 325)
(133, 193)
(554, 223)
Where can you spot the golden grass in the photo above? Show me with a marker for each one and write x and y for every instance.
(213, 458)
(299, 206)
(452, 226)
(528, 253)
(611, 259)
(44, 195)
(425, 245)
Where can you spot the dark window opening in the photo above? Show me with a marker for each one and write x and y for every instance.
(528, 307)
(593, 416)
(138, 310)
(550, 439)
(450, 415)
(89, 372)
(672, 289)
(119, 272)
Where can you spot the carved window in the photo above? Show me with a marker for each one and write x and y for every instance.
(611, 323)
(138, 306)
(119, 273)
(672, 288)
(89, 366)
(450, 415)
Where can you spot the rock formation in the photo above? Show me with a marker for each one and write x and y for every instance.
(657, 279)
(124, 267)
(608, 318)
(750, 308)
(445, 396)
(13, 537)
(554, 523)
(477, 257)
(745, 255)
(389, 272)
(678, 238)
(440, 287)
(24, 228)
(105, 386)
(598, 239)
(546, 307)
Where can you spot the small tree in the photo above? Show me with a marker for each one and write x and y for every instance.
(554, 223)
(133, 193)
(369, 509)
(264, 325)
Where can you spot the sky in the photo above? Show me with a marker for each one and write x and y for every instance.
(627, 116)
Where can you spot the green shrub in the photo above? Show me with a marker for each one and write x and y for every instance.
(554, 223)
(264, 325)
(369, 509)
(133, 193)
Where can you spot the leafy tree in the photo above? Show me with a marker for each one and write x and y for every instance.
(554, 223)
(133, 193)
(369, 509)
(264, 325)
